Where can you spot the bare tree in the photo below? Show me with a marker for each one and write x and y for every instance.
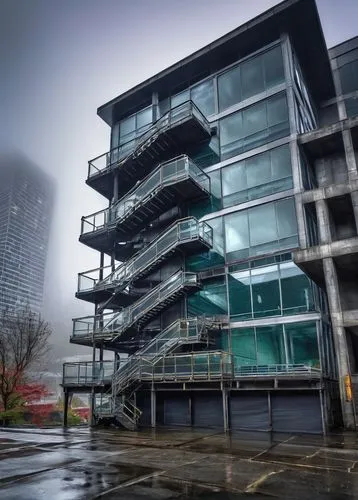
(23, 344)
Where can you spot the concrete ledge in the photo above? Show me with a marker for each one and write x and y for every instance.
(330, 191)
(334, 249)
(350, 318)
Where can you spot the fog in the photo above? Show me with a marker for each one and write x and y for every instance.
(60, 60)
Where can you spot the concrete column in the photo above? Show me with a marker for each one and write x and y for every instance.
(225, 409)
(323, 222)
(354, 198)
(113, 261)
(339, 338)
(153, 407)
(66, 395)
(350, 155)
(155, 106)
(115, 186)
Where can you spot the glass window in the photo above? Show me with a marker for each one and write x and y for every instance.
(234, 184)
(240, 295)
(127, 128)
(211, 300)
(213, 257)
(144, 117)
(273, 67)
(286, 218)
(203, 96)
(237, 235)
(266, 291)
(270, 345)
(231, 133)
(281, 162)
(349, 77)
(243, 346)
(214, 203)
(302, 345)
(254, 126)
(178, 99)
(229, 88)
(296, 289)
(262, 223)
(115, 136)
(252, 77)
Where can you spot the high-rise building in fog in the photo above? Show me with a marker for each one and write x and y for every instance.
(26, 205)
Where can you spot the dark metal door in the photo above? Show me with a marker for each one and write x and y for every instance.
(176, 410)
(296, 412)
(208, 410)
(249, 411)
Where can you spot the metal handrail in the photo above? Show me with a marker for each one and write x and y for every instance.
(117, 322)
(124, 151)
(167, 173)
(180, 231)
(87, 372)
(274, 369)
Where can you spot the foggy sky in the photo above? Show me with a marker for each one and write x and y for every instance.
(61, 59)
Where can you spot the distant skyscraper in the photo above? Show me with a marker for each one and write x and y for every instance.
(26, 205)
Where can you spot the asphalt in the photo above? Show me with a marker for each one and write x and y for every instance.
(79, 463)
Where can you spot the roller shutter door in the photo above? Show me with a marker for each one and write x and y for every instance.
(296, 413)
(176, 411)
(249, 411)
(208, 410)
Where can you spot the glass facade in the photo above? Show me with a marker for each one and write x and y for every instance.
(254, 126)
(348, 72)
(250, 77)
(290, 343)
(126, 131)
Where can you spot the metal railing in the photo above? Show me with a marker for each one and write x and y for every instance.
(120, 153)
(184, 230)
(208, 365)
(179, 332)
(166, 174)
(279, 369)
(117, 322)
(88, 373)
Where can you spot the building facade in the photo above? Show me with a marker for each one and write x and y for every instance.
(26, 205)
(231, 188)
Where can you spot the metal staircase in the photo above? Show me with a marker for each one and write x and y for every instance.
(189, 235)
(112, 325)
(180, 332)
(172, 134)
(173, 182)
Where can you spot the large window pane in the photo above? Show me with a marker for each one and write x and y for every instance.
(258, 170)
(254, 119)
(234, 184)
(203, 96)
(229, 88)
(127, 129)
(266, 291)
(252, 77)
(262, 224)
(180, 98)
(213, 257)
(286, 218)
(144, 117)
(273, 67)
(211, 300)
(243, 346)
(214, 203)
(281, 162)
(296, 289)
(237, 236)
(270, 345)
(231, 133)
(302, 345)
(240, 295)
(349, 77)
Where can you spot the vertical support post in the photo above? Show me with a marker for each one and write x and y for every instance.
(65, 408)
(115, 186)
(93, 378)
(101, 265)
(269, 409)
(153, 407)
(225, 409)
(155, 106)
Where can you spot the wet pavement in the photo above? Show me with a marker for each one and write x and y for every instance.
(165, 464)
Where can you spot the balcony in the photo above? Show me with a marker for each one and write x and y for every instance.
(171, 184)
(112, 325)
(88, 374)
(98, 285)
(290, 370)
(173, 134)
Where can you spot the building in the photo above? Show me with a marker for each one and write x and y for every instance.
(232, 233)
(26, 205)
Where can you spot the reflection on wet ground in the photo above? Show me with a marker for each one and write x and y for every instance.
(80, 463)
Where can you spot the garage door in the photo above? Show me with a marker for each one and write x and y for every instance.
(208, 410)
(176, 410)
(249, 411)
(296, 413)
